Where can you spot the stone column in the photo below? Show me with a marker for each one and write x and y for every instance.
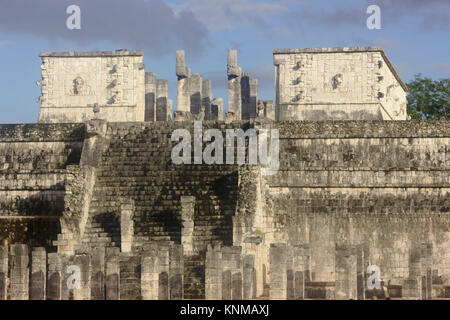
(269, 111)
(249, 286)
(183, 73)
(245, 95)
(234, 85)
(169, 109)
(150, 96)
(176, 270)
(38, 274)
(3, 272)
(150, 277)
(82, 260)
(98, 274)
(162, 91)
(126, 224)
(346, 272)
(278, 274)
(164, 271)
(207, 98)
(19, 272)
(213, 273)
(187, 218)
(195, 92)
(112, 274)
(360, 270)
(232, 273)
(217, 109)
(54, 279)
(412, 285)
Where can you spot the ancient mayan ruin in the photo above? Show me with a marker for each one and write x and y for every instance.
(360, 191)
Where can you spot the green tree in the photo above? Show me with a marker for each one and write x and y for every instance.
(428, 99)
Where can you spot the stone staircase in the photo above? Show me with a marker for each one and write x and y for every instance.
(102, 230)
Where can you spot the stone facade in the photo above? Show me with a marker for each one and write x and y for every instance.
(337, 84)
(77, 87)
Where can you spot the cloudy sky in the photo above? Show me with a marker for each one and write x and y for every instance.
(414, 34)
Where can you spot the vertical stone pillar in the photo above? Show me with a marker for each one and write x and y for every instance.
(234, 73)
(360, 270)
(164, 270)
(245, 95)
(3, 272)
(249, 96)
(278, 274)
(38, 274)
(213, 273)
(426, 271)
(126, 224)
(346, 272)
(98, 274)
(195, 92)
(176, 270)
(253, 102)
(112, 274)
(217, 109)
(300, 267)
(162, 92)
(232, 273)
(207, 98)
(82, 260)
(187, 218)
(183, 73)
(249, 286)
(150, 277)
(150, 96)
(54, 279)
(19, 272)
(411, 288)
(269, 111)
(169, 109)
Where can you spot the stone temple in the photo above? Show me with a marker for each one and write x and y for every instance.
(359, 206)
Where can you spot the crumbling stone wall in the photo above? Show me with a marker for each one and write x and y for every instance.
(33, 162)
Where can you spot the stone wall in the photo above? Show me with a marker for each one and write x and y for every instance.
(337, 84)
(348, 195)
(77, 86)
(33, 162)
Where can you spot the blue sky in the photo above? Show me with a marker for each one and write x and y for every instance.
(414, 35)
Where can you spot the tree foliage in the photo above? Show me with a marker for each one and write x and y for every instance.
(428, 99)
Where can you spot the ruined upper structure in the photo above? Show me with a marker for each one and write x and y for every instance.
(357, 83)
(311, 84)
(78, 85)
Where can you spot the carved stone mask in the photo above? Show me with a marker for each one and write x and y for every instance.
(337, 80)
(78, 83)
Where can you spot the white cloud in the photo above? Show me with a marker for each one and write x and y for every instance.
(229, 14)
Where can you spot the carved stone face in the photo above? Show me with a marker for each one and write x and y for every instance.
(337, 81)
(78, 84)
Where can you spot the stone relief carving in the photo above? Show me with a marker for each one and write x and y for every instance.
(337, 80)
(80, 88)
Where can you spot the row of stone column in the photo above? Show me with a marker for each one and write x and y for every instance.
(229, 275)
(194, 93)
(91, 274)
(158, 106)
(243, 103)
(290, 274)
